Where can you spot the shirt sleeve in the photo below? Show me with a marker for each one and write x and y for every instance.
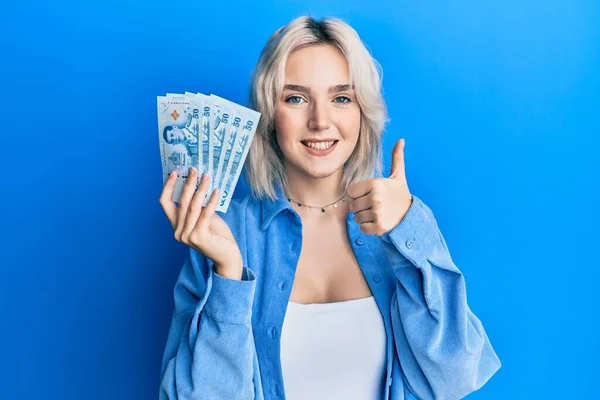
(210, 346)
(442, 346)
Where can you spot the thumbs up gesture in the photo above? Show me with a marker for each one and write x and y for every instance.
(379, 204)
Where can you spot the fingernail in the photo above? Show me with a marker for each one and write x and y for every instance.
(192, 171)
(204, 177)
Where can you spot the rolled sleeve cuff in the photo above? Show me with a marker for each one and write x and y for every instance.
(230, 300)
(414, 236)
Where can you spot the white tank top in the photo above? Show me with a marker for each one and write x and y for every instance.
(333, 350)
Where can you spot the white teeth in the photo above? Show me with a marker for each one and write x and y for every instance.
(319, 145)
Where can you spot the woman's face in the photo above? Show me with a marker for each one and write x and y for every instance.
(317, 118)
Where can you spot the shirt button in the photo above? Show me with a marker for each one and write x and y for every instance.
(409, 243)
(377, 278)
(359, 242)
(281, 285)
(273, 332)
(293, 246)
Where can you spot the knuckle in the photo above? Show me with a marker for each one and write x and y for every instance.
(185, 236)
(191, 181)
(184, 198)
(186, 188)
(196, 241)
(194, 238)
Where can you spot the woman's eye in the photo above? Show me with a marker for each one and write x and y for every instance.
(294, 99)
(343, 100)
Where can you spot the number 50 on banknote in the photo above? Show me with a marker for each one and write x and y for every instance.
(209, 133)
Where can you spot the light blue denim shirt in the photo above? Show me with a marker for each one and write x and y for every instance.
(223, 342)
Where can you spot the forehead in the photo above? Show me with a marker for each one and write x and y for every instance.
(318, 67)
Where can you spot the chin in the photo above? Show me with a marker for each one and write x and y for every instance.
(320, 173)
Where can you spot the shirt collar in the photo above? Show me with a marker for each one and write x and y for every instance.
(270, 208)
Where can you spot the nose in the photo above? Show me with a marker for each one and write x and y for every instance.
(318, 120)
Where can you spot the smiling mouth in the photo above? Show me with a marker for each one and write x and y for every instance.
(319, 145)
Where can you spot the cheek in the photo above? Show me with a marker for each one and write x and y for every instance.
(350, 126)
(287, 125)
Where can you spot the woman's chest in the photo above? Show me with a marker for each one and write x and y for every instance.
(327, 269)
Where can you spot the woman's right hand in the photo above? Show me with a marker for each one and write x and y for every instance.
(201, 227)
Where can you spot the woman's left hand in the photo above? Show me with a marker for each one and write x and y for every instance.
(379, 204)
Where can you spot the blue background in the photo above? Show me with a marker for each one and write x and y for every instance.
(498, 102)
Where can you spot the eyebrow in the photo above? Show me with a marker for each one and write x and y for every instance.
(332, 89)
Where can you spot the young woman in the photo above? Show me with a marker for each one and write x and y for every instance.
(328, 281)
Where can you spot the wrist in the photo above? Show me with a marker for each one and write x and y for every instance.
(230, 270)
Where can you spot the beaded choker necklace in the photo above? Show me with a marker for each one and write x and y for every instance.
(322, 208)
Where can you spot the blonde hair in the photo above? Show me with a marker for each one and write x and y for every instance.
(264, 164)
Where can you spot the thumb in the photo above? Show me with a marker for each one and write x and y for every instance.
(397, 170)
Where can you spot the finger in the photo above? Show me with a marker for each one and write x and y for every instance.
(206, 216)
(195, 208)
(166, 199)
(364, 216)
(362, 203)
(184, 201)
(397, 170)
(359, 189)
(369, 228)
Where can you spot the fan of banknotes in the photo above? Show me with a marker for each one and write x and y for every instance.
(209, 133)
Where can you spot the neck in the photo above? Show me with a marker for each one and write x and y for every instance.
(317, 192)
(312, 191)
